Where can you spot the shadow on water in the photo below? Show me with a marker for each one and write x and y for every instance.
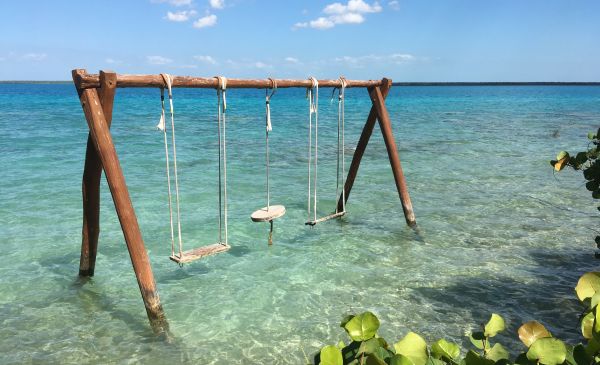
(548, 298)
(183, 273)
(80, 292)
(239, 250)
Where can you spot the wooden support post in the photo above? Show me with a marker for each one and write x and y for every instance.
(390, 143)
(92, 173)
(379, 112)
(360, 148)
(103, 143)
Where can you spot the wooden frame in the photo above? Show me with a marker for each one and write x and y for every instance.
(96, 94)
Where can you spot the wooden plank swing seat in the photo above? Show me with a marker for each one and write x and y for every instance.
(267, 214)
(96, 93)
(200, 252)
(325, 218)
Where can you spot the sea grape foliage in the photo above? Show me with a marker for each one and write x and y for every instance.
(588, 162)
(540, 347)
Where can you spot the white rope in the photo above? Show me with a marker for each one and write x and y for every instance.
(222, 108)
(161, 127)
(343, 90)
(268, 129)
(313, 99)
(341, 145)
(168, 80)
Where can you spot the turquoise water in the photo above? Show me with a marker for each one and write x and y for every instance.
(497, 230)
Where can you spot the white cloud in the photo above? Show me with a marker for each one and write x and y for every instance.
(353, 6)
(206, 59)
(348, 18)
(180, 16)
(394, 4)
(261, 65)
(34, 56)
(206, 21)
(300, 25)
(338, 13)
(217, 4)
(400, 58)
(174, 2)
(292, 60)
(158, 60)
(367, 60)
(321, 23)
(112, 61)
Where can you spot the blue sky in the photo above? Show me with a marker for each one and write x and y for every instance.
(407, 40)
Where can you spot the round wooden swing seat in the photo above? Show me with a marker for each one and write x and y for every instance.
(267, 214)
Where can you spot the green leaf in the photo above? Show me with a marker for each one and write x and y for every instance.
(414, 347)
(434, 361)
(562, 154)
(340, 345)
(331, 355)
(383, 353)
(477, 340)
(548, 351)
(497, 353)
(591, 135)
(473, 358)
(596, 328)
(588, 285)
(523, 360)
(350, 352)
(592, 185)
(577, 356)
(593, 347)
(346, 319)
(581, 158)
(400, 360)
(362, 327)
(369, 346)
(531, 331)
(445, 349)
(494, 326)
(595, 300)
(374, 360)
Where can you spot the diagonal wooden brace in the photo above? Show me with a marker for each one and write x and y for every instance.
(379, 112)
(104, 146)
(92, 173)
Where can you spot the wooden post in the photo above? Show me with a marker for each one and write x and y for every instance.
(390, 143)
(103, 143)
(92, 172)
(360, 148)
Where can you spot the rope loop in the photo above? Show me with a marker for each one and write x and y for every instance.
(340, 89)
(268, 102)
(344, 84)
(273, 87)
(168, 83)
(312, 93)
(221, 89)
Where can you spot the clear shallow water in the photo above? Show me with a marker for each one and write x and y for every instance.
(497, 231)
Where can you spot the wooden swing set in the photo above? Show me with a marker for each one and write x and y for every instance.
(96, 93)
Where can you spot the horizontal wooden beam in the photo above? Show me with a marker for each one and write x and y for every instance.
(88, 81)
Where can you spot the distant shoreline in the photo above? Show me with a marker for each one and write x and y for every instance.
(486, 83)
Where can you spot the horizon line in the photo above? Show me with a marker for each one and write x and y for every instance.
(398, 83)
